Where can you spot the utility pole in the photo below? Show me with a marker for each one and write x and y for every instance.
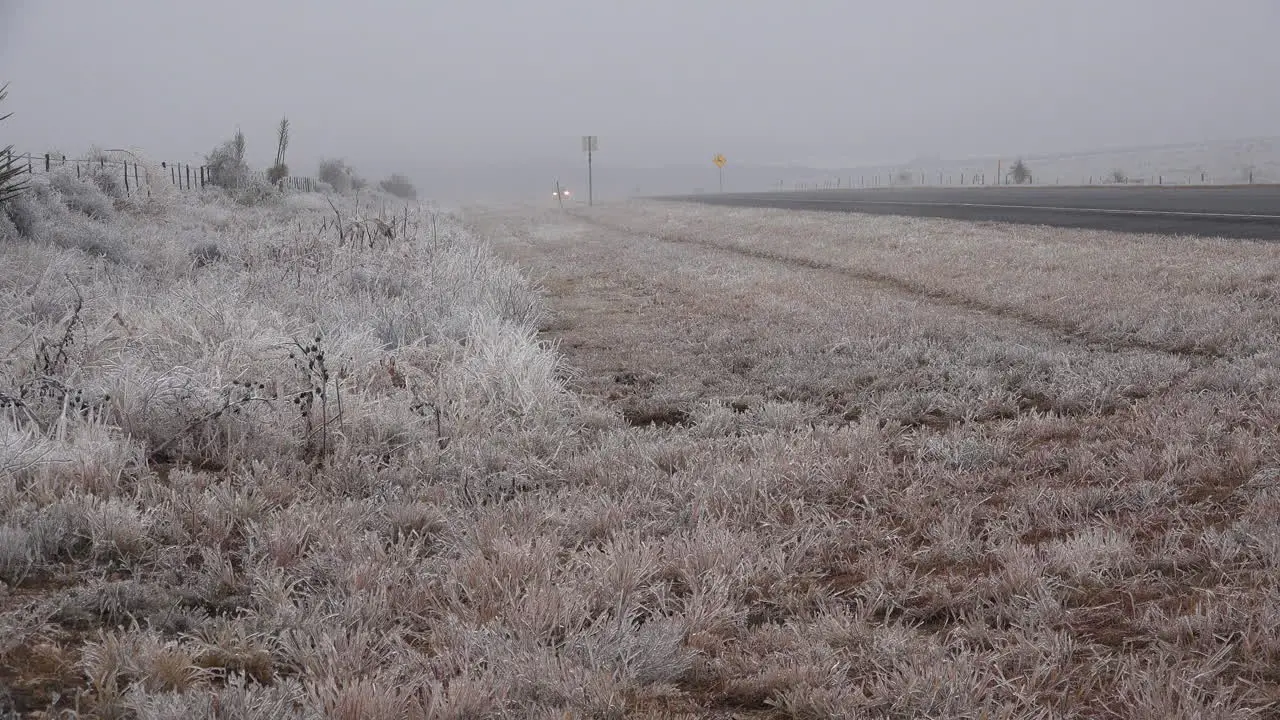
(590, 143)
(559, 194)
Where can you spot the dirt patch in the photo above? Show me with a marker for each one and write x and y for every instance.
(34, 673)
(655, 416)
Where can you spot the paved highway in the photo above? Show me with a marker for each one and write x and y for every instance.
(1248, 211)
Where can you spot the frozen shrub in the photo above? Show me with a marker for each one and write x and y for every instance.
(255, 192)
(81, 196)
(226, 164)
(24, 215)
(104, 171)
(400, 186)
(49, 201)
(8, 231)
(60, 530)
(93, 239)
(340, 176)
(116, 530)
(206, 253)
(277, 173)
(107, 179)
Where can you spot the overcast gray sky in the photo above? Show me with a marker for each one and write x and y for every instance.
(660, 81)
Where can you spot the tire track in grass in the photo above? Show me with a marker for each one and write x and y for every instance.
(619, 385)
(1069, 332)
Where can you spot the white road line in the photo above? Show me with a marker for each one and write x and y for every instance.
(1109, 211)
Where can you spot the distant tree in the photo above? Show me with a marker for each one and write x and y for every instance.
(1119, 176)
(11, 182)
(279, 171)
(905, 177)
(337, 174)
(227, 168)
(1020, 172)
(400, 186)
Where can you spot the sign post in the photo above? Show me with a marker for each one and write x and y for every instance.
(720, 161)
(590, 144)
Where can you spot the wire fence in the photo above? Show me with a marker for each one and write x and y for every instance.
(138, 176)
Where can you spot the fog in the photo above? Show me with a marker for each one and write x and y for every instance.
(469, 95)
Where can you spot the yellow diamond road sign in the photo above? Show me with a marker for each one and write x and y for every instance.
(718, 160)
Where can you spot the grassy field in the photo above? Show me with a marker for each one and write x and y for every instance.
(707, 463)
(925, 468)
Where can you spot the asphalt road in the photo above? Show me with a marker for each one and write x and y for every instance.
(1243, 211)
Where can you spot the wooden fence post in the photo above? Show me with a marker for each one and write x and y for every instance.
(126, 177)
(46, 162)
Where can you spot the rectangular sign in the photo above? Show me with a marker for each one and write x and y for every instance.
(590, 143)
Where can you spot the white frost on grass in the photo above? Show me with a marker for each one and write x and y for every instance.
(194, 377)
